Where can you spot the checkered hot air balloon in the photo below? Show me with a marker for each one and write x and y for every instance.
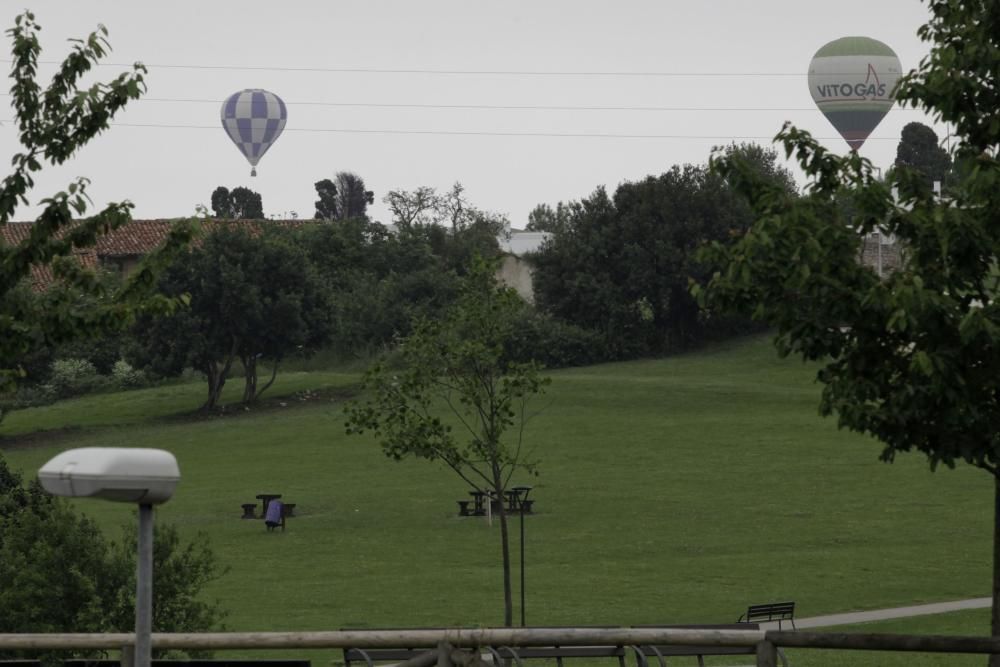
(253, 119)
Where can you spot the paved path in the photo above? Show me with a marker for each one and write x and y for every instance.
(880, 614)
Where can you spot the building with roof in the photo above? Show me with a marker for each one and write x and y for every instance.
(121, 249)
(515, 269)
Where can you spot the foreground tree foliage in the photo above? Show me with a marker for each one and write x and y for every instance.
(913, 360)
(53, 123)
(457, 398)
(40, 536)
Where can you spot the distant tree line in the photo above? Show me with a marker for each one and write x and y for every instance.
(610, 282)
(620, 265)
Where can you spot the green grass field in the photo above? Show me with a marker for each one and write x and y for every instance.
(671, 491)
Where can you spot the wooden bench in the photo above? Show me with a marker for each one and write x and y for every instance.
(248, 511)
(644, 656)
(772, 611)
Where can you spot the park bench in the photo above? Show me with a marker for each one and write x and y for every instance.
(644, 656)
(772, 611)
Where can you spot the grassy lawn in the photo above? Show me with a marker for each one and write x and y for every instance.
(147, 405)
(974, 622)
(671, 491)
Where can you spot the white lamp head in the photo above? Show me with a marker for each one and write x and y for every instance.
(146, 476)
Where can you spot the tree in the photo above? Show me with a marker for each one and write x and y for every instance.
(456, 229)
(53, 124)
(620, 265)
(918, 149)
(912, 360)
(240, 204)
(253, 296)
(326, 205)
(352, 198)
(416, 208)
(40, 534)
(346, 198)
(543, 218)
(456, 365)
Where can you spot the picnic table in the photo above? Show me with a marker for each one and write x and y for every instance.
(267, 498)
(512, 502)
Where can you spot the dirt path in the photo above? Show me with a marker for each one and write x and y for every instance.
(880, 614)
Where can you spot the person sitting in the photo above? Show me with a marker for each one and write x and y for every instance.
(275, 515)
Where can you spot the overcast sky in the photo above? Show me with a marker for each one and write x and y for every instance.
(742, 65)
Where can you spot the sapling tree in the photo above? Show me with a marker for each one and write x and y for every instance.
(456, 398)
(912, 359)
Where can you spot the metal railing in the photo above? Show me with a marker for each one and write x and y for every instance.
(452, 645)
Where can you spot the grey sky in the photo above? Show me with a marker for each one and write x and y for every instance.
(167, 171)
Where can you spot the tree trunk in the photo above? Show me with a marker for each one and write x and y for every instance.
(508, 599)
(274, 374)
(249, 378)
(216, 381)
(995, 613)
(216, 374)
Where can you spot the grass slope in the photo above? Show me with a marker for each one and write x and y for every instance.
(671, 491)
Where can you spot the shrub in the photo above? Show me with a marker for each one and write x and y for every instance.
(555, 343)
(73, 377)
(126, 377)
(29, 396)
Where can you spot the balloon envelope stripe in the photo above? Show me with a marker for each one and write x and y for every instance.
(258, 105)
(271, 130)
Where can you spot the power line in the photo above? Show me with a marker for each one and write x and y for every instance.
(480, 133)
(502, 107)
(448, 72)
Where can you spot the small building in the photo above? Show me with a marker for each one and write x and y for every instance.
(515, 268)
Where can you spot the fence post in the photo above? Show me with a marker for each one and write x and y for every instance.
(444, 654)
(128, 656)
(767, 654)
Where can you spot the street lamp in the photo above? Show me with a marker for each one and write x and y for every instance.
(144, 476)
(521, 493)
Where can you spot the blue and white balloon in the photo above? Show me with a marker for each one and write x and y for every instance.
(253, 119)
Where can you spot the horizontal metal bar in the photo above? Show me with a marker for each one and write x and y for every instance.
(884, 642)
(467, 638)
(475, 637)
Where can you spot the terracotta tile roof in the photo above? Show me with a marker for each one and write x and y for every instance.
(133, 239)
(138, 237)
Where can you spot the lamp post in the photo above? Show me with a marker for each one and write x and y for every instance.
(144, 476)
(522, 495)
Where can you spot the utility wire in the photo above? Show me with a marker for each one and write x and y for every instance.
(478, 133)
(492, 107)
(496, 107)
(448, 72)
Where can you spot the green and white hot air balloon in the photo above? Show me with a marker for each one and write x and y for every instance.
(852, 81)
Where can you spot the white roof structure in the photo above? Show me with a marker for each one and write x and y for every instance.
(520, 243)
